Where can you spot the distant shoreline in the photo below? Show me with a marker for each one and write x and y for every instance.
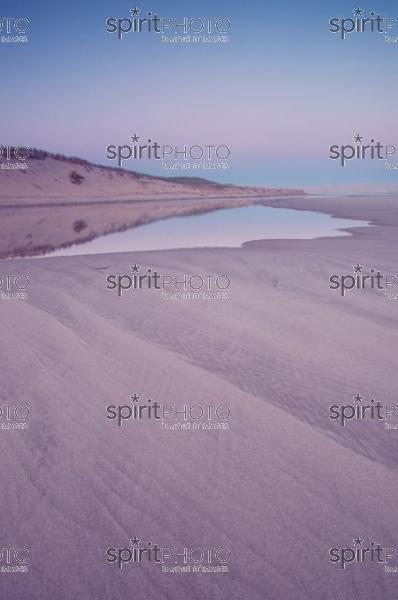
(145, 200)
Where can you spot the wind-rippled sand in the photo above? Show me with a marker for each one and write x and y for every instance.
(279, 488)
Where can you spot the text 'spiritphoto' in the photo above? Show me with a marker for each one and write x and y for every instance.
(198, 300)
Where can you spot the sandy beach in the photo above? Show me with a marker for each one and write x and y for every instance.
(279, 488)
(198, 301)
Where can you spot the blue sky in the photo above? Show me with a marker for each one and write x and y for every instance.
(279, 93)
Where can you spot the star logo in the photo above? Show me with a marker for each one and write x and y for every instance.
(135, 11)
(358, 138)
(135, 269)
(358, 268)
(135, 541)
(357, 398)
(134, 398)
(358, 12)
(358, 541)
(134, 138)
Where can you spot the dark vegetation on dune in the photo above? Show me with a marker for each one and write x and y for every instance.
(36, 154)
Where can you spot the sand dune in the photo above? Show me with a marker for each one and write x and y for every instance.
(279, 488)
(53, 178)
